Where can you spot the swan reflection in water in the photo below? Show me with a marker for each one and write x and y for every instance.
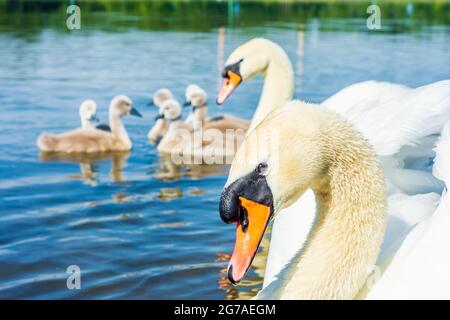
(173, 172)
(88, 164)
(250, 286)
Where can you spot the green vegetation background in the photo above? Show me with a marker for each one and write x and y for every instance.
(199, 15)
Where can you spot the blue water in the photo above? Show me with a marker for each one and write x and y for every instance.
(135, 228)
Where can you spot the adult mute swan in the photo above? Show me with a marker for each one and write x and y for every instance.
(400, 122)
(309, 147)
(94, 140)
(160, 127)
(207, 145)
(197, 98)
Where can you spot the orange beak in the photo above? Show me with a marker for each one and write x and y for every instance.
(229, 84)
(249, 232)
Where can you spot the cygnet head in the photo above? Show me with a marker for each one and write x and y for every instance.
(122, 105)
(171, 110)
(88, 111)
(195, 96)
(160, 96)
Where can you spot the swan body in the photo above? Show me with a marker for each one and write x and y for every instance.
(210, 145)
(160, 127)
(354, 99)
(328, 155)
(92, 139)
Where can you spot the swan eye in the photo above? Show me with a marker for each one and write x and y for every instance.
(262, 169)
(232, 67)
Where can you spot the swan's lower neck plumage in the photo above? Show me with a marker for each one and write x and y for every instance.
(350, 223)
(118, 129)
(86, 124)
(278, 86)
(200, 113)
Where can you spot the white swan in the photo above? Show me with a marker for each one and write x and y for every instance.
(206, 145)
(197, 98)
(94, 140)
(336, 161)
(160, 127)
(404, 120)
(309, 147)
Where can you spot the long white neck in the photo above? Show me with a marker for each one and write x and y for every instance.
(118, 129)
(200, 113)
(350, 224)
(278, 86)
(86, 124)
(158, 129)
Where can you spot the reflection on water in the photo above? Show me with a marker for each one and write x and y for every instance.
(138, 225)
(169, 170)
(89, 162)
(252, 283)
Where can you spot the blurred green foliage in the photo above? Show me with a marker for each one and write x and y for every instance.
(202, 15)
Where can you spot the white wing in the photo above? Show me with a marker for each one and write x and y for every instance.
(420, 268)
(360, 97)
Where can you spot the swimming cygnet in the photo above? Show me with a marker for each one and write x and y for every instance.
(197, 98)
(206, 145)
(160, 127)
(94, 140)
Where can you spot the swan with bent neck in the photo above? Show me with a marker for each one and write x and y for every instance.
(309, 147)
(94, 140)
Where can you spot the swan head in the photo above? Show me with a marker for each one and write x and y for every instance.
(88, 110)
(160, 96)
(195, 96)
(122, 105)
(245, 62)
(273, 167)
(170, 110)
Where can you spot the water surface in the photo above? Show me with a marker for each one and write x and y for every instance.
(137, 226)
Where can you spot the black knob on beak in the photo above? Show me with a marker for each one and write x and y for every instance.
(252, 187)
(229, 205)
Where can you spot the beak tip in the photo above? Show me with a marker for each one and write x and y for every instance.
(230, 275)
